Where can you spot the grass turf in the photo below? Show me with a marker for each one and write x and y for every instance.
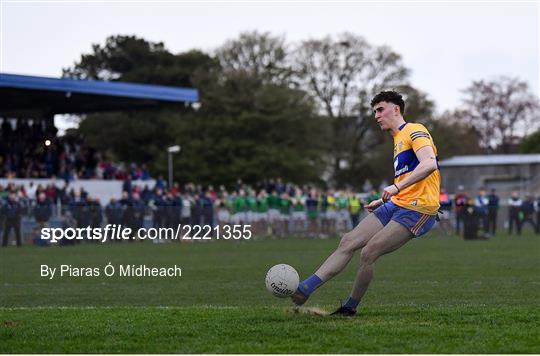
(436, 294)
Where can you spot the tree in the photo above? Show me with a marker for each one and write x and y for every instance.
(137, 136)
(453, 136)
(501, 111)
(259, 54)
(248, 126)
(343, 74)
(131, 136)
(119, 56)
(251, 130)
(133, 59)
(531, 143)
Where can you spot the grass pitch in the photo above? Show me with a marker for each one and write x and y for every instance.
(436, 294)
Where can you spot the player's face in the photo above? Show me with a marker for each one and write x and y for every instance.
(384, 114)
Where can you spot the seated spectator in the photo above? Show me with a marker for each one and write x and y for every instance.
(30, 150)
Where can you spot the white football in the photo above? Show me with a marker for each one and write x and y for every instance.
(282, 280)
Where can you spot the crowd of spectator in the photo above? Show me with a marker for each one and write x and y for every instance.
(30, 149)
(482, 210)
(270, 208)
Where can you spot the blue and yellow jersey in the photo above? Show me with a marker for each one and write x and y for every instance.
(422, 196)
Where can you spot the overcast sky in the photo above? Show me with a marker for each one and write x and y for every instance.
(445, 44)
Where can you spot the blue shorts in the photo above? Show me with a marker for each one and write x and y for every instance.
(417, 223)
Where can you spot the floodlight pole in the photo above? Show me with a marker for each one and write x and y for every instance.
(170, 151)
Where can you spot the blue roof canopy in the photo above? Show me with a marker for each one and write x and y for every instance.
(48, 96)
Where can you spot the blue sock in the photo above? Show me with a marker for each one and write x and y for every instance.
(308, 285)
(351, 303)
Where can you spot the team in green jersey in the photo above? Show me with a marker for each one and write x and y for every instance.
(281, 214)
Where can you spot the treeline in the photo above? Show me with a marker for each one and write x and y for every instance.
(297, 111)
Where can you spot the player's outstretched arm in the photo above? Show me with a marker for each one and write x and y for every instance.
(427, 165)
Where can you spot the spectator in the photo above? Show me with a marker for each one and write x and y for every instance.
(174, 203)
(207, 209)
(113, 212)
(312, 212)
(299, 211)
(24, 154)
(446, 208)
(52, 192)
(240, 208)
(159, 209)
(354, 205)
(285, 213)
(68, 222)
(481, 209)
(147, 195)
(79, 209)
(514, 208)
(251, 203)
(212, 192)
(493, 210)
(127, 186)
(32, 191)
(344, 219)
(527, 213)
(262, 212)
(12, 211)
(42, 210)
(223, 212)
(138, 212)
(187, 203)
(133, 212)
(96, 213)
(460, 203)
(160, 183)
(332, 214)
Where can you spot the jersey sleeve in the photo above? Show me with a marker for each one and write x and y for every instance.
(420, 137)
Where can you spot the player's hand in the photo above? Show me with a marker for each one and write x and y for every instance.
(389, 192)
(374, 205)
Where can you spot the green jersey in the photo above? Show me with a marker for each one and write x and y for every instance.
(251, 202)
(239, 205)
(373, 197)
(342, 202)
(262, 205)
(285, 206)
(273, 202)
(298, 205)
(229, 204)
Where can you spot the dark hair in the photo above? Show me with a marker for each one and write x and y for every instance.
(389, 96)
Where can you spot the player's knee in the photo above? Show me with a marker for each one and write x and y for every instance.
(368, 255)
(347, 243)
